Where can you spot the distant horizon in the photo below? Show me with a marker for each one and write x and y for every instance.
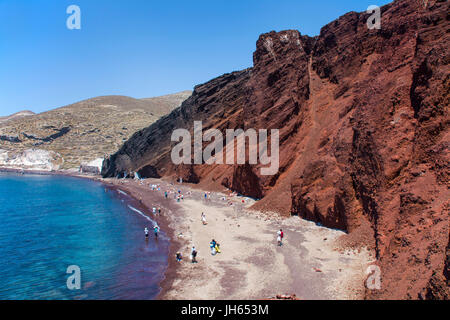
(138, 49)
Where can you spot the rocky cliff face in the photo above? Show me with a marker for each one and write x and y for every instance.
(364, 138)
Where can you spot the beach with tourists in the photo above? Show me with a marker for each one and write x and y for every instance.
(311, 263)
(311, 163)
(219, 249)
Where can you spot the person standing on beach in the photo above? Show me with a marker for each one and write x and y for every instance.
(217, 247)
(213, 244)
(194, 255)
(280, 237)
(179, 256)
(156, 230)
(146, 233)
(204, 219)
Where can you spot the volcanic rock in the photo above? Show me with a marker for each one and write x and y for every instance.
(364, 136)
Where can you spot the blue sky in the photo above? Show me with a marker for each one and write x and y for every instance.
(138, 48)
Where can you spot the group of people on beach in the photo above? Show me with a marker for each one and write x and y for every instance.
(155, 187)
(155, 231)
(194, 253)
(214, 245)
(215, 248)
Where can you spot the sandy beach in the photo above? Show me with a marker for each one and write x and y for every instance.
(251, 265)
(311, 263)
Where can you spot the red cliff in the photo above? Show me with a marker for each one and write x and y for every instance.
(364, 136)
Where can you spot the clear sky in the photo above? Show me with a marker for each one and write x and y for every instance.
(138, 48)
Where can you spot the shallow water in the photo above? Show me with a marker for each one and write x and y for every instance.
(48, 223)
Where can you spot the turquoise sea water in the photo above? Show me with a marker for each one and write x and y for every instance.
(48, 223)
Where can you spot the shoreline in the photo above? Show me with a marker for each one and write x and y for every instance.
(251, 265)
(312, 265)
(161, 221)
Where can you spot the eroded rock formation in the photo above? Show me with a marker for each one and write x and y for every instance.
(364, 138)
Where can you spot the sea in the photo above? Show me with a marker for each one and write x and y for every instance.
(66, 238)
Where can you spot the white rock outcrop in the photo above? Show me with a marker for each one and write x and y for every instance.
(98, 163)
(31, 159)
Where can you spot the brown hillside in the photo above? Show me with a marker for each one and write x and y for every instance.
(86, 130)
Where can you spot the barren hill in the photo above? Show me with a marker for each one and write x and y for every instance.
(84, 131)
(364, 137)
(17, 115)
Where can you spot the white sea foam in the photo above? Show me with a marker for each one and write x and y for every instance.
(142, 214)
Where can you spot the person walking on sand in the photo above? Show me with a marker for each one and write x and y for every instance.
(204, 219)
(280, 237)
(217, 247)
(213, 244)
(194, 255)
